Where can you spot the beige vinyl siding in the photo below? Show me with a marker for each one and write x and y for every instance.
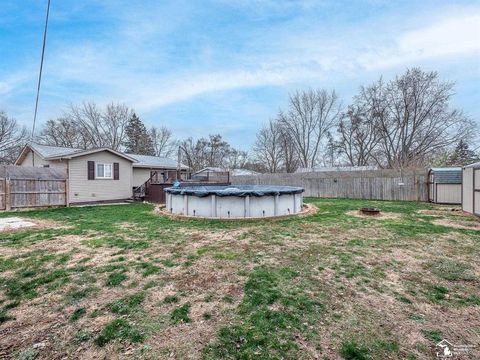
(32, 159)
(83, 190)
(467, 200)
(140, 176)
(448, 193)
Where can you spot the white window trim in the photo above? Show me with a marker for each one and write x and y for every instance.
(103, 177)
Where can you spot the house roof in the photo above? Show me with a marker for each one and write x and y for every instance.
(91, 151)
(210, 169)
(243, 172)
(451, 175)
(48, 152)
(147, 161)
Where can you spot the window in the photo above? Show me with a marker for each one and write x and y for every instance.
(104, 171)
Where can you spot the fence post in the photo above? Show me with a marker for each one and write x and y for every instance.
(8, 198)
(67, 194)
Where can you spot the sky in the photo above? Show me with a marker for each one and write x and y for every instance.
(226, 66)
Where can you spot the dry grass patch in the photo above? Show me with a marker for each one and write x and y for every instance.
(457, 224)
(382, 216)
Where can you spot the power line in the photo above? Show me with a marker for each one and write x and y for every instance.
(41, 69)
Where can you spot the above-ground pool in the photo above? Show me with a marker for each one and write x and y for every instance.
(234, 201)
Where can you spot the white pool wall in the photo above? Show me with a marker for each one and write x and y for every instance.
(213, 206)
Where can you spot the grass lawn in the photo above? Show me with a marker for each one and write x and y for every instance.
(125, 282)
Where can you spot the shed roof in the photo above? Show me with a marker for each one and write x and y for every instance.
(451, 175)
(474, 165)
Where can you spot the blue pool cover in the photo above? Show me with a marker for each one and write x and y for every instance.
(234, 190)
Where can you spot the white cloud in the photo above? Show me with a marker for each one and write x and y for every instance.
(458, 35)
(127, 68)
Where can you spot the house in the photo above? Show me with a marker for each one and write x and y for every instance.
(445, 185)
(471, 189)
(99, 175)
(211, 174)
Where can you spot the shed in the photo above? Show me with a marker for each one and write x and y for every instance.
(445, 185)
(471, 189)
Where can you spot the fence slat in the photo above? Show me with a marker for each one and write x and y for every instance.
(31, 193)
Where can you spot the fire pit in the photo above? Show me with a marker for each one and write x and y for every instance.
(370, 211)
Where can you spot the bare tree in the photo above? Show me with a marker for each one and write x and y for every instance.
(309, 117)
(289, 151)
(358, 135)
(102, 128)
(235, 159)
(211, 152)
(268, 147)
(414, 120)
(12, 138)
(63, 132)
(163, 143)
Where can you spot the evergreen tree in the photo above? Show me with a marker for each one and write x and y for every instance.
(138, 138)
(462, 155)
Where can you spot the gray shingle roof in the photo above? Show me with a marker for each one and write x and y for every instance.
(451, 175)
(155, 162)
(47, 151)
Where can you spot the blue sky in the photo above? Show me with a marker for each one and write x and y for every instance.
(226, 66)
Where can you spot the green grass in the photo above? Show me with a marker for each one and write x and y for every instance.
(170, 299)
(116, 278)
(119, 329)
(128, 304)
(77, 314)
(452, 270)
(180, 314)
(266, 289)
(270, 306)
(351, 350)
(433, 335)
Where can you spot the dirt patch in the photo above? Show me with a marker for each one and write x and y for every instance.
(442, 212)
(467, 225)
(381, 216)
(15, 223)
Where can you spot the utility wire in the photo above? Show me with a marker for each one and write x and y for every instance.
(41, 69)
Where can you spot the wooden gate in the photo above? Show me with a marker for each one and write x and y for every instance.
(155, 193)
(3, 194)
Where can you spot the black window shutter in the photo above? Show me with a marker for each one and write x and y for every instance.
(116, 171)
(91, 170)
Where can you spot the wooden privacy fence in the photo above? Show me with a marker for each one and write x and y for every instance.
(31, 193)
(408, 185)
(29, 187)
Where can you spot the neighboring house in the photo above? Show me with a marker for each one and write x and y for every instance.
(98, 174)
(211, 174)
(243, 172)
